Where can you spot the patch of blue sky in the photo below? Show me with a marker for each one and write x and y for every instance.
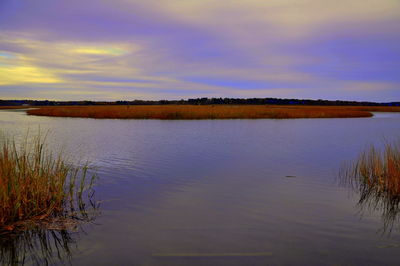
(367, 58)
(7, 55)
(343, 72)
(241, 83)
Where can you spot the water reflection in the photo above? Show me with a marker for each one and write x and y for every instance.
(38, 246)
(220, 187)
(49, 241)
(45, 242)
(375, 177)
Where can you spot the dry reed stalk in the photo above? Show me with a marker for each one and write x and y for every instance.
(175, 112)
(375, 176)
(35, 184)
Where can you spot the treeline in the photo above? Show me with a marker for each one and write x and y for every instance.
(199, 101)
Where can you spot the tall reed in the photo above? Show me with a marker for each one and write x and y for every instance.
(36, 184)
(375, 175)
(377, 171)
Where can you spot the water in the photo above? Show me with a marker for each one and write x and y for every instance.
(222, 192)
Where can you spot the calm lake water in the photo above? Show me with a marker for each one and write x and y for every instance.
(222, 192)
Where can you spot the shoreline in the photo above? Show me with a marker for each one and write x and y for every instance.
(201, 112)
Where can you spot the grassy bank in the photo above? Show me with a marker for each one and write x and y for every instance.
(37, 185)
(208, 111)
(13, 107)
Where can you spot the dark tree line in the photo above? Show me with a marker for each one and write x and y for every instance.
(200, 101)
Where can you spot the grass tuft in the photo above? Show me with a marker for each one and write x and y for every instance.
(375, 176)
(35, 184)
(377, 171)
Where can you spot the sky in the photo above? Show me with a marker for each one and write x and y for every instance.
(178, 49)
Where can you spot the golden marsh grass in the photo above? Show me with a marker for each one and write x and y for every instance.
(377, 171)
(175, 112)
(13, 107)
(375, 176)
(38, 185)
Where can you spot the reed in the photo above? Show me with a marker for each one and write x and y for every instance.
(377, 172)
(35, 184)
(176, 112)
(13, 107)
(375, 176)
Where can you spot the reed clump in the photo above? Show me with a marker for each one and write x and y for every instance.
(37, 185)
(177, 112)
(375, 176)
(377, 172)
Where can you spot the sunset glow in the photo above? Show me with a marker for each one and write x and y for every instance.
(173, 49)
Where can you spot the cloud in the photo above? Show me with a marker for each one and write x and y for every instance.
(371, 86)
(25, 74)
(299, 15)
(16, 69)
(98, 51)
(187, 48)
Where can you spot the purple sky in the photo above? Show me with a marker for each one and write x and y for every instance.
(173, 49)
